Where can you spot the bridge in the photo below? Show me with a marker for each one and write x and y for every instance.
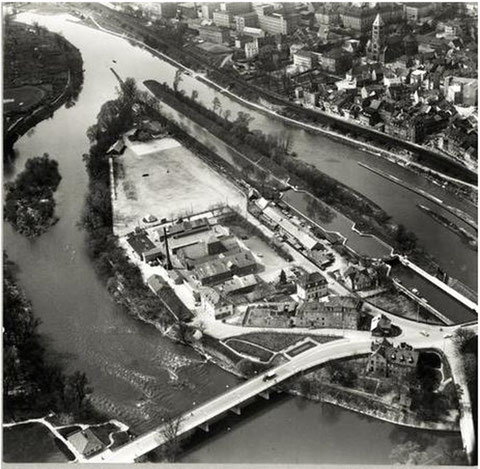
(416, 334)
(231, 401)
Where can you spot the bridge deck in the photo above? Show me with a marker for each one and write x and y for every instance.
(223, 403)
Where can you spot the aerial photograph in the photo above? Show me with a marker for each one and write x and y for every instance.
(240, 233)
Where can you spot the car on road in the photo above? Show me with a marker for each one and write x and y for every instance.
(269, 376)
(448, 336)
(426, 334)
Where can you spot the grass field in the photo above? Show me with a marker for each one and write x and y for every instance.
(249, 349)
(164, 179)
(278, 341)
(21, 99)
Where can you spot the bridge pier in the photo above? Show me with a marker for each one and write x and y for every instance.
(205, 427)
(265, 395)
(236, 410)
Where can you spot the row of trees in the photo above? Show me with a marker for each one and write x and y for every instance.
(273, 152)
(123, 278)
(31, 385)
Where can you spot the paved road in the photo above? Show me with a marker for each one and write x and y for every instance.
(221, 404)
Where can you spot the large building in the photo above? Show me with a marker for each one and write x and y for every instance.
(214, 34)
(224, 267)
(278, 23)
(338, 313)
(246, 20)
(236, 8)
(387, 361)
(223, 18)
(312, 286)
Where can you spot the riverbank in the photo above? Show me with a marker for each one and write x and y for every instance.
(132, 28)
(368, 218)
(56, 71)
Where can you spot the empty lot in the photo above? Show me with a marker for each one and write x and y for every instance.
(164, 179)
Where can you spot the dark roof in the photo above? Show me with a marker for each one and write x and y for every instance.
(309, 278)
(140, 243)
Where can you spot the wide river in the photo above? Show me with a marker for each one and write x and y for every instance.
(135, 372)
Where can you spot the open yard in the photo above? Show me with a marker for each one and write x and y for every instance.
(398, 303)
(164, 179)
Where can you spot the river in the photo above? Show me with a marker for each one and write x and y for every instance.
(135, 372)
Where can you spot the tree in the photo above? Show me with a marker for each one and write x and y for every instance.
(194, 95)
(283, 278)
(216, 104)
(177, 80)
(462, 338)
(169, 436)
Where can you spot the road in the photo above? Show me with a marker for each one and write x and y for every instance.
(251, 388)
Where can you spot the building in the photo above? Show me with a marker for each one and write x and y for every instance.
(336, 61)
(311, 286)
(140, 243)
(459, 90)
(205, 251)
(387, 361)
(238, 285)
(361, 278)
(225, 267)
(278, 23)
(86, 442)
(208, 9)
(376, 45)
(236, 8)
(214, 34)
(223, 18)
(358, 18)
(212, 302)
(251, 49)
(160, 10)
(327, 15)
(381, 326)
(303, 59)
(246, 20)
(417, 11)
(338, 313)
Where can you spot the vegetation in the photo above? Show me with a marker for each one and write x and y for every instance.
(31, 385)
(123, 278)
(265, 156)
(29, 203)
(278, 341)
(249, 349)
(44, 70)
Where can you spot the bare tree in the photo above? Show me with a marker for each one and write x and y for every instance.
(169, 434)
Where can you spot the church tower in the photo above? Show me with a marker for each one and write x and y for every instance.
(376, 45)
